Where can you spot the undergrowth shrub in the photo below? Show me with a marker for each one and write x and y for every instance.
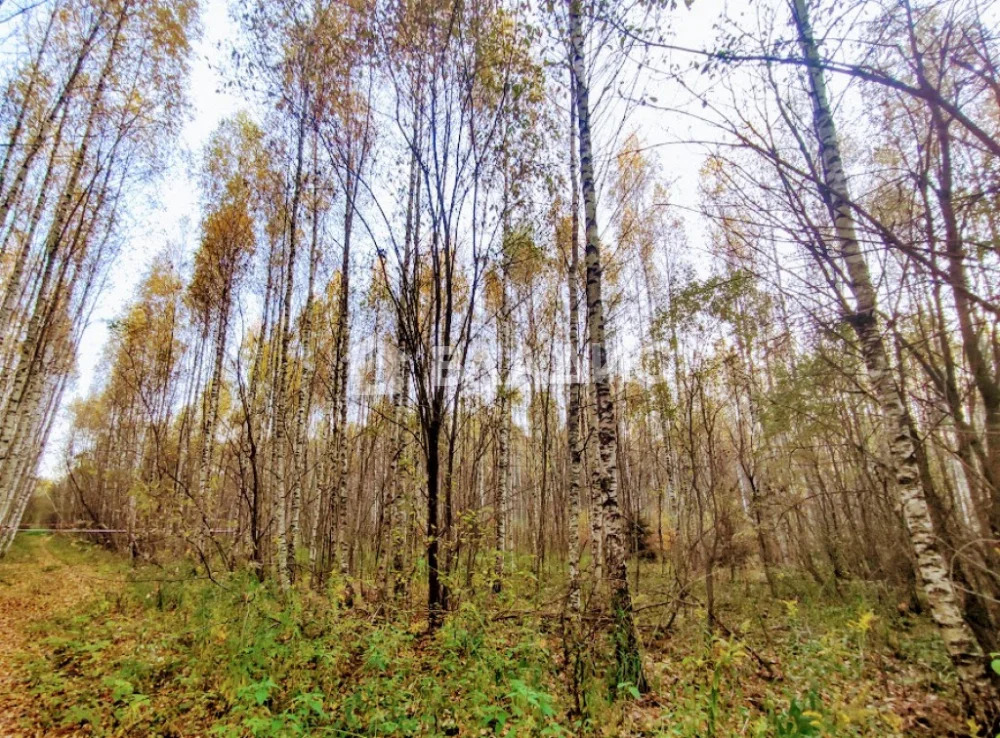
(167, 652)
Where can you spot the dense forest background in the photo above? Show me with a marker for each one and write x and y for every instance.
(447, 321)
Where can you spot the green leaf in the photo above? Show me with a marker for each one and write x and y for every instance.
(261, 691)
(630, 689)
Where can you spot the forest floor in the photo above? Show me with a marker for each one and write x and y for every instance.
(37, 583)
(92, 646)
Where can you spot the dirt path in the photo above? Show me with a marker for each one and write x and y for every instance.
(36, 584)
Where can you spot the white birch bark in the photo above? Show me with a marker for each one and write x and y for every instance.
(573, 404)
(210, 420)
(28, 360)
(300, 448)
(343, 371)
(626, 639)
(966, 655)
(502, 493)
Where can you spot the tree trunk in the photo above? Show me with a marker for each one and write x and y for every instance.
(343, 348)
(966, 656)
(501, 500)
(301, 445)
(210, 418)
(435, 611)
(626, 639)
(281, 379)
(573, 403)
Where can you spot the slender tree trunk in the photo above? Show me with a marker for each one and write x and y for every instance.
(626, 639)
(301, 445)
(281, 380)
(14, 278)
(435, 611)
(573, 405)
(343, 348)
(210, 418)
(44, 301)
(10, 198)
(391, 566)
(502, 495)
(397, 508)
(966, 656)
(13, 139)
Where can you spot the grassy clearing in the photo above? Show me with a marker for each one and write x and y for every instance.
(162, 652)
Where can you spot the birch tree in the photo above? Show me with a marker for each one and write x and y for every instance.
(627, 654)
(962, 647)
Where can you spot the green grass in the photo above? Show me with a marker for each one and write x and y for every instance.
(162, 652)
